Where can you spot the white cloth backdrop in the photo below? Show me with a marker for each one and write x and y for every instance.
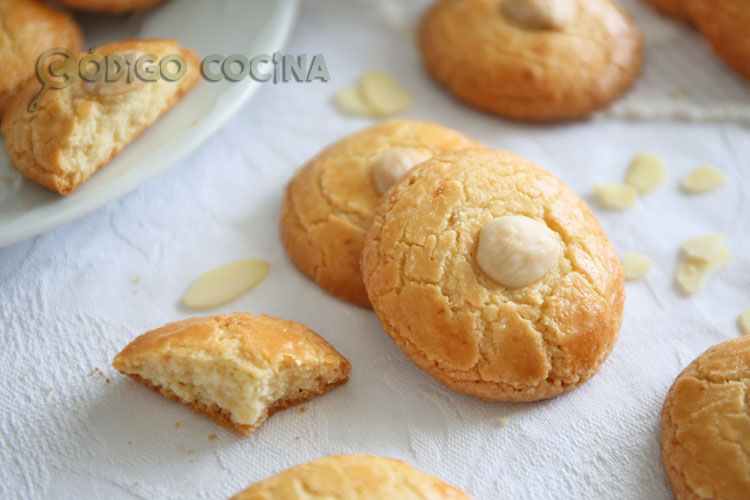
(70, 299)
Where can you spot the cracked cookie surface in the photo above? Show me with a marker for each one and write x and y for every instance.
(705, 425)
(352, 477)
(329, 203)
(484, 58)
(454, 322)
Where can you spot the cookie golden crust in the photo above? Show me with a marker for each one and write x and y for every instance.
(28, 28)
(237, 369)
(725, 24)
(329, 203)
(352, 477)
(480, 54)
(470, 333)
(78, 129)
(110, 6)
(673, 8)
(705, 425)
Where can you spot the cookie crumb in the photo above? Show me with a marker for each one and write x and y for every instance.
(130, 443)
(302, 409)
(211, 437)
(177, 425)
(503, 421)
(108, 381)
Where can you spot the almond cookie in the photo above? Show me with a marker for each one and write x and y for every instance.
(78, 129)
(28, 28)
(705, 425)
(110, 6)
(352, 477)
(673, 8)
(725, 24)
(237, 369)
(494, 277)
(538, 60)
(329, 203)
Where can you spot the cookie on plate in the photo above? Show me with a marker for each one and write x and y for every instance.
(673, 8)
(533, 60)
(237, 369)
(494, 277)
(28, 28)
(329, 203)
(705, 425)
(76, 130)
(353, 477)
(110, 6)
(725, 24)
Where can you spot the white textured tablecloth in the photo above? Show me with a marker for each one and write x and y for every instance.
(72, 298)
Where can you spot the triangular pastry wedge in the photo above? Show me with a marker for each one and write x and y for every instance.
(237, 369)
(73, 131)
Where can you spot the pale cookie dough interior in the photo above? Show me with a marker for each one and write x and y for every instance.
(457, 323)
(542, 14)
(329, 203)
(236, 368)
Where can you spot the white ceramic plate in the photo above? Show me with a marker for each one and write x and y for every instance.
(247, 27)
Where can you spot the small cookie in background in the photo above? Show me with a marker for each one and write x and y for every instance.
(534, 60)
(80, 128)
(725, 24)
(110, 6)
(353, 477)
(677, 9)
(329, 203)
(494, 277)
(705, 425)
(237, 369)
(28, 28)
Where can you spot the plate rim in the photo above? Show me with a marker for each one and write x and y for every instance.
(287, 12)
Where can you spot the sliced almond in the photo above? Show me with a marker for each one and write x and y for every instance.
(616, 196)
(384, 94)
(693, 273)
(744, 322)
(702, 179)
(704, 247)
(349, 100)
(218, 286)
(647, 172)
(636, 265)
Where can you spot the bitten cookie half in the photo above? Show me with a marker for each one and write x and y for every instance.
(532, 59)
(352, 477)
(78, 129)
(494, 277)
(705, 425)
(329, 203)
(237, 369)
(110, 6)
(28, 28)
(726, 26)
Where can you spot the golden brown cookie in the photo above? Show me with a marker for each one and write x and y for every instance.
(726, 26)
(532, 59)
(329, 203)
(110, 6)
(705, 425)
(28, 28)
(673, 8)
(352, 477)
(494, 277)
(78, 129)
(237, 369)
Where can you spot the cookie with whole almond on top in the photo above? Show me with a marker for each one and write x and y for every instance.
(494, 277)
(538, 60)
(329, 203)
